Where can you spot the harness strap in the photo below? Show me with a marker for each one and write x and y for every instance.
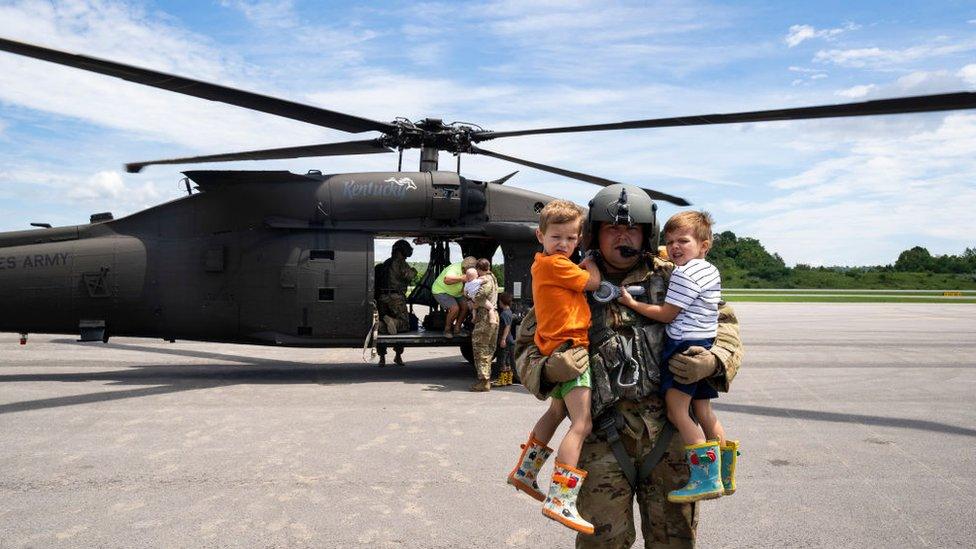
(608, 429)
(657, 452)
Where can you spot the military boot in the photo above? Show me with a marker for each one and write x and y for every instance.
(526, 472)
(480, 386)
(706, 474)
(730, 456)
(561, 503)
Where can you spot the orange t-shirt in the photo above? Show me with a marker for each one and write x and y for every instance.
(561, 311)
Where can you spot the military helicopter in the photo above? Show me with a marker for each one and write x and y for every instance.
(273, 257)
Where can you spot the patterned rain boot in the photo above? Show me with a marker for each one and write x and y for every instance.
(730, 455)
(501, 381)
(523, 476)
(561, 503)
(506, 378)
(706, 474)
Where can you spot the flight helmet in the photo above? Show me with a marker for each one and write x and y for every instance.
(622, 204)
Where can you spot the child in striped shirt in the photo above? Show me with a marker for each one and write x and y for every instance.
(691, 310)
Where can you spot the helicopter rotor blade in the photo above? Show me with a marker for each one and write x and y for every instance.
(371, 146)
(656, 195)
(204, 90)
(898, 105)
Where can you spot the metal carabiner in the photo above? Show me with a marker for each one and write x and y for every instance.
(626, 348)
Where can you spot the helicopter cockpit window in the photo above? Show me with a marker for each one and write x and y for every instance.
(321, 254)
(326, 294)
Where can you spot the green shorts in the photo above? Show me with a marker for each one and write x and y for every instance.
(564, 388)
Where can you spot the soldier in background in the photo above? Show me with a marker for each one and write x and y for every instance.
(631, 454)
(484, 337)
(393, 276)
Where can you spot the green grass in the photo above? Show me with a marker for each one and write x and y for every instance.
(814, 298)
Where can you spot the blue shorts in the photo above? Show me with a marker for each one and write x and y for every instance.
(447, 300)
(701, 390)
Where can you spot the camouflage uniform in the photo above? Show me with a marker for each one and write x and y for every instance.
(393, 294)
(393, 277)
(607, 499)
(484, 338)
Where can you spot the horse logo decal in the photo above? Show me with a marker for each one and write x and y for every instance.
(404, 183)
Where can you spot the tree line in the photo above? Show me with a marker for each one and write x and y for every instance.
(745, 263)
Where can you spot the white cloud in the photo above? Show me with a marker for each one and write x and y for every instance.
(100, 186)
(881, 58)
(968, 73)
(855, 92)
(807, 75)
(800, 33)
(57, 197)
(266, 13)
(121, 33)
(805, 70)
(882, 191)
(109, 190)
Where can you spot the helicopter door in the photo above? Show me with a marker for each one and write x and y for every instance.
(307, 287)
(335, 285)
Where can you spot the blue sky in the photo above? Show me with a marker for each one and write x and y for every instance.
(826, 192)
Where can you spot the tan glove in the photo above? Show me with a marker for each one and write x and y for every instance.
(566, 365)
(693, 365)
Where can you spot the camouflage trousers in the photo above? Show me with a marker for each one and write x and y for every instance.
(394, 305)
(484, 339)
(607, 500)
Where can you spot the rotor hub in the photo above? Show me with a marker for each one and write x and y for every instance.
(433, 133)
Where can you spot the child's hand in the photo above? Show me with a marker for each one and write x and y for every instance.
(625, 298)
(587, 261)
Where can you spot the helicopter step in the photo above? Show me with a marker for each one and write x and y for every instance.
(418, 338)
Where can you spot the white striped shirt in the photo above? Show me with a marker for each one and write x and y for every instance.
(695, 287)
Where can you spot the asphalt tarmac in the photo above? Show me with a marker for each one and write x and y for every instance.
(857, 425)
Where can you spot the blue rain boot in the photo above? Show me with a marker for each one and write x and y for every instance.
(730, 455)
(560, 506)
(523, 476)
(706, 474)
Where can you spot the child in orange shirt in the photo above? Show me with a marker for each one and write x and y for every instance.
(562, 316)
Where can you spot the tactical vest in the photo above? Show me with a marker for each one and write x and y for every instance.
(625, 346)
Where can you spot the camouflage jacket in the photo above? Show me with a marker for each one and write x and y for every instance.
(646, 411)
(399, 275)
(486, 299)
